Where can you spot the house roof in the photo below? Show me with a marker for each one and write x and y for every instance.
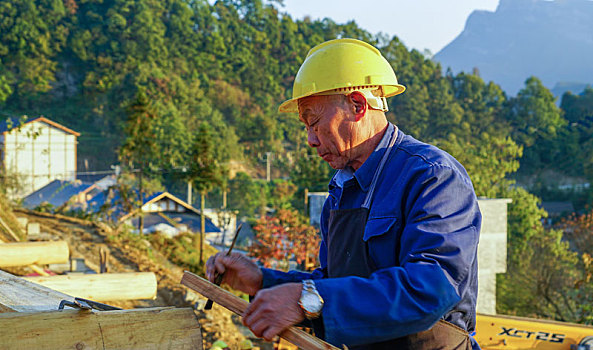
(557, 208)
(155, 197)
(56, 193)
(191, 220)
(16, 122)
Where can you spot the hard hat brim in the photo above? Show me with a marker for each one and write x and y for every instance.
(292, 106)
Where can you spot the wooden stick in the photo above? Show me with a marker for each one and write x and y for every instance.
(104, 286)
(7, 229)
(237, 305)
(153, 328)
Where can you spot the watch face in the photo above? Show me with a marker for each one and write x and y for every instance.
(311, 303)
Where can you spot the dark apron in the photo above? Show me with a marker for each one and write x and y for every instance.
(348, 255)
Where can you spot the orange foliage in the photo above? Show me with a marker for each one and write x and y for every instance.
(578, 229)
(285, 237)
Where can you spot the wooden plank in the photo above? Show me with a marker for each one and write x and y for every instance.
(27, 253)
(237, 305)
(104, 286)
(17, 294)
(155, 328)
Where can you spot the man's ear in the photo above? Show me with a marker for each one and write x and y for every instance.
(359, 102)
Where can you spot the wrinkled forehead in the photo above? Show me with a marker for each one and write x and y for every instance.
(316, 104)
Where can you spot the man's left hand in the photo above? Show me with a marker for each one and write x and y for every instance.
(273, 310)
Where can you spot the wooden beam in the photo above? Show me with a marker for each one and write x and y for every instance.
(33, 267)
(237, 305)
(28, 253)
(104, 286)
(17, 294)
(155, 328)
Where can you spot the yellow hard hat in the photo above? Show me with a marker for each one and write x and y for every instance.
(340, 66)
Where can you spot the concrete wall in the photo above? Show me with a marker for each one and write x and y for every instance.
(39, 153)
(316, 200)
(492, 250)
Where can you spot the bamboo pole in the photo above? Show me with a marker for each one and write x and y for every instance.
(154, 328)
(28, 253)
(237, 305)
(104, 286)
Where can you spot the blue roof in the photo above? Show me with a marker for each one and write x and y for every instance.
(56, 193)
(112, 198)
(109, 198)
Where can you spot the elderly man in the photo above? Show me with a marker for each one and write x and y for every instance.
(400, 227)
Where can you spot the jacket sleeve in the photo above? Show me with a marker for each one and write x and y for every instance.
(437, 246)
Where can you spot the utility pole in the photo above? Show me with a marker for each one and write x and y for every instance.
(141, 219)
(202, 221)
(306, 199)
(268, 161)
(189, 192)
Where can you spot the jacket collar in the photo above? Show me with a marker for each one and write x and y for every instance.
(364, 175)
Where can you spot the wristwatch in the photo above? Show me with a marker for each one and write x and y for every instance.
(311, 302)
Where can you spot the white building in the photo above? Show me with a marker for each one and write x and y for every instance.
(38, 151)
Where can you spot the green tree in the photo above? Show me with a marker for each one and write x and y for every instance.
(245, 194)
(32, 35)
(535, 120)
(533, 114)
(282, 193)
(576, 142)
(541, 287)
(139, 148)
(204, 170)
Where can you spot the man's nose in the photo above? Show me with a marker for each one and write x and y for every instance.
(312, 139)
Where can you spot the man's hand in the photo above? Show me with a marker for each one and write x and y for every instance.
(239, 271)
(273, 310)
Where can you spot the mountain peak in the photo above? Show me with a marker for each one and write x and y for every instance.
(552, 40)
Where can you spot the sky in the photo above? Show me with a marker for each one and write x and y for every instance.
(419, 24)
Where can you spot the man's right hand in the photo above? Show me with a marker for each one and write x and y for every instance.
(240, 272)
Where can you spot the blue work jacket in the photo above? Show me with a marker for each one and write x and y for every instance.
(422, 235)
